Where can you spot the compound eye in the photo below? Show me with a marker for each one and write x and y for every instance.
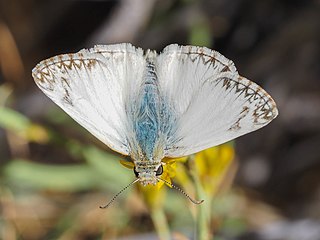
(135, 172)
(159, 170)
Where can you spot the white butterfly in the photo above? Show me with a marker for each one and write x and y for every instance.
(150, 106)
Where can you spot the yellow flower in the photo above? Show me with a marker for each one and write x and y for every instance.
(211, 166)
(170, 169)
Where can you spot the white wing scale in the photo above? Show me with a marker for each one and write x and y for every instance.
(213, 104)
(93, 86)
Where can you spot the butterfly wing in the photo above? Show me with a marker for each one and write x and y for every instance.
(211, 101)
(93, 86)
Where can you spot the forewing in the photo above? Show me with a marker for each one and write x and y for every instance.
(93, 87)
(212, 104)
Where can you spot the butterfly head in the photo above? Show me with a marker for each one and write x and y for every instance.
(148, 174)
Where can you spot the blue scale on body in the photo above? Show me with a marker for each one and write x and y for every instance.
(147, 125)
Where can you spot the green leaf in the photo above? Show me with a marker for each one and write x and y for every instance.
(41, 176)
(108, 165)
(12, 120)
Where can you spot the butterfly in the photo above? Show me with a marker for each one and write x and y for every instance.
(152, 106)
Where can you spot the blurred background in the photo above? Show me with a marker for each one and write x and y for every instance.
(54, 174)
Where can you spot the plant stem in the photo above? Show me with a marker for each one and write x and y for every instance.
(160, 223)
(203, 215)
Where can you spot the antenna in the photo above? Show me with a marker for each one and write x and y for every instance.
(180, 190)
(121, 191)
